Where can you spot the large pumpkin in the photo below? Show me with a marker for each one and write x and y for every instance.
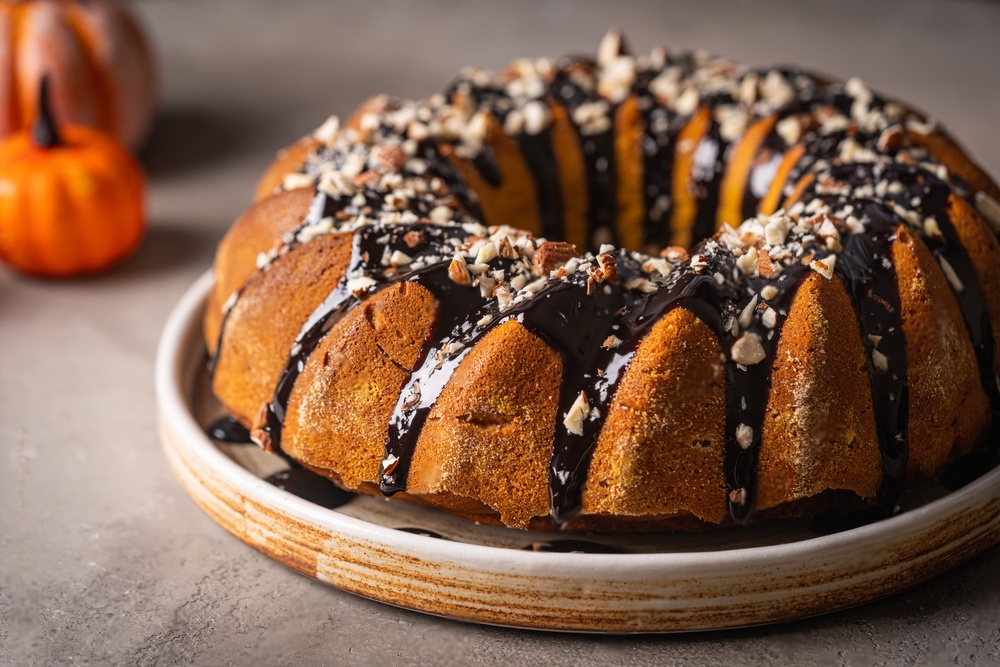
(100, 64)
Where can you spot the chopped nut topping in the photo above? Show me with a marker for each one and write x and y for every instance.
(769, 318)
(748, 262)
(506, 249)
(358, 286)
(765, 268)
(389, 464)
(890, 139)
(768, 292)
(399, 258)
(880, 361)
(746, 316)
(553, 254)
(824, 267)
(789, 129)
(577, 415)
(744, 436)
(486, 253)
(748, 350)
(294, 181)
(606, 269)
(674, 253)
(327, 132)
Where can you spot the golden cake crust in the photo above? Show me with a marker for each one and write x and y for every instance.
(797, 303)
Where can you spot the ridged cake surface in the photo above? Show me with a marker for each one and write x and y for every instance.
(619, 293)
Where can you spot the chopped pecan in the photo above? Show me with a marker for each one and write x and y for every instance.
(676, 253)
(367, 179)
(392, 157)
(608, 268)
(553, 254)
(458, 273)
(506, 249)
(413, 238)
(764, 267)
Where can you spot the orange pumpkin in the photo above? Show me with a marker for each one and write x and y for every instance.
(100, 64)
(71, 199)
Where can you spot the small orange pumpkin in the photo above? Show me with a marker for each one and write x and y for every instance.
(100, 63)
(71, 198)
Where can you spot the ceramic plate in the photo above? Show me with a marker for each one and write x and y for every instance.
(422, 559)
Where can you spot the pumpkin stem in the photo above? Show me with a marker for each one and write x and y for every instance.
(44, 131)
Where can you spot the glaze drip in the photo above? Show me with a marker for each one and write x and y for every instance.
(369, 243)
(228, 429)
(594, 120)
(867, 270)
(312, 487)
(859, 177)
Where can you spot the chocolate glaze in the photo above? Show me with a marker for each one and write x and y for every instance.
(932, 197)
(710, 160)
(368, 247)
(456, 306)
(309, 486)
(598, 150)
(320, 207)
(562, 314)
(537, 150)
(574, 323)
(424, 532)
(866, 267)
(228, 429)
(485, 163)
(969, 467)
(538, 153)
(847, 518)
(660, 128)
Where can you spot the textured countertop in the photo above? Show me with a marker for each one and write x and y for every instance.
(104, 559)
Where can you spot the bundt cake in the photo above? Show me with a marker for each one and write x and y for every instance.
(791, 295)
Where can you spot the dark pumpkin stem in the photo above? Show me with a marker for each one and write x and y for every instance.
(44, 132)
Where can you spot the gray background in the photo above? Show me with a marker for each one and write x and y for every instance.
(104, 560)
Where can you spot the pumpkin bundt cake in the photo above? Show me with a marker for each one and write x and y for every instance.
(791, 294)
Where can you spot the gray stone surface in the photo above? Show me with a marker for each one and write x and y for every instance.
(104, 560)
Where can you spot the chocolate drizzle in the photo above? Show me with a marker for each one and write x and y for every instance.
(933, 201)
(562, 314)
(710, 160)
(866, 267)
(320, 207)
(422, 531)
(312, 487)
(574, 318)
(574, 324)
(228, 429)
(541, 159)
(456, 307)
(369, 244)
(598, 149)
(536, 148)
(659, 138)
